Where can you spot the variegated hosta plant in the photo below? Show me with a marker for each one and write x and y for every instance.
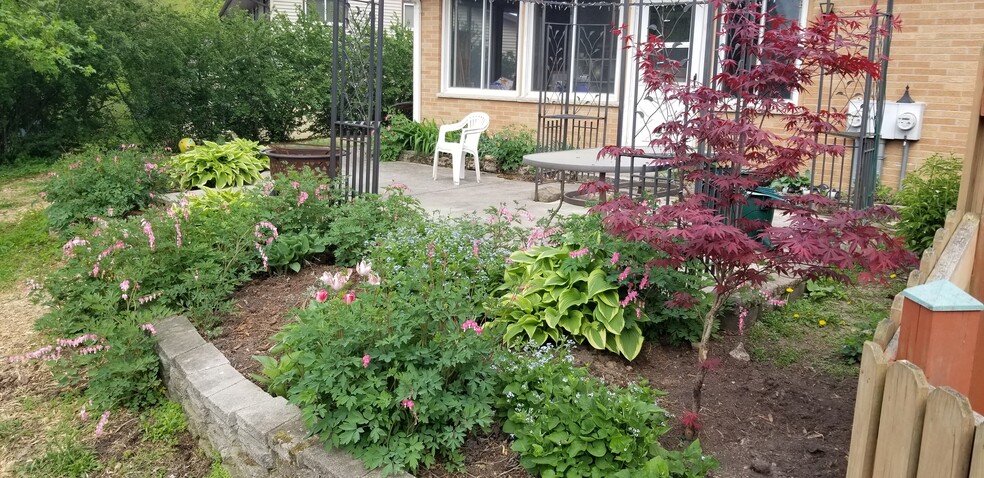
(552, 292)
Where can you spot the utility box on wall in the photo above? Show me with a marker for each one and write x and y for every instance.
(906, 122)
(900, 120)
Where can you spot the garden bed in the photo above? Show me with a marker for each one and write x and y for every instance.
(789, 420)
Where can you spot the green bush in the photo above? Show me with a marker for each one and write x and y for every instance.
(509, 146)
(104, 184)
(926, 196)
(360, 221)
(567, 423)
(234, 163)
(398, 377)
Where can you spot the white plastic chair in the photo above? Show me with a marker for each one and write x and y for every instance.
(471, 128)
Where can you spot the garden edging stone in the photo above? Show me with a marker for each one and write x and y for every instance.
(256, 435)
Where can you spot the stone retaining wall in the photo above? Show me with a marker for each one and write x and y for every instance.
(256, 434)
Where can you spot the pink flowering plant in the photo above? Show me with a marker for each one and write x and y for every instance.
(396, 382)
(95, 182)
(400, 375)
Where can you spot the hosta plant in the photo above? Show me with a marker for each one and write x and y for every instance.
(553, 292)
(233, 163)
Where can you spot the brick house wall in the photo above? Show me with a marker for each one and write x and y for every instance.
(935, 54)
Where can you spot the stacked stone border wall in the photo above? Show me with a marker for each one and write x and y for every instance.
(256, 434)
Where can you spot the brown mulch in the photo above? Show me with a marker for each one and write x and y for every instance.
(787, 421)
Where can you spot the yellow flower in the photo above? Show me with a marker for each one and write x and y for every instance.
(822, 322)
(789, 289)
(796, 316)
(892, 276)
(848, 302)
(843, 322)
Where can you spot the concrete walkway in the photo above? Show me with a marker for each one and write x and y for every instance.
(444, 198)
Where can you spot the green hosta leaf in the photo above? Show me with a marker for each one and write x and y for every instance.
(522, 257)
(570, 298)
(551, 316)
(554, 279)
(595, 333)
(579, 276)
(629, 342)
(605, 313)
(295, 266)
(571, 322)
(617, 323)
(512, 330)
(609, 297)
(598, 283)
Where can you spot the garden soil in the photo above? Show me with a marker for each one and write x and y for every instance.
(758, 419)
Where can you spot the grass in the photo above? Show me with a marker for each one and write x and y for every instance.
(23, 169)
(823, 330)
(27, 247)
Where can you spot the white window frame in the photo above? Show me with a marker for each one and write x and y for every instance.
(446, 53)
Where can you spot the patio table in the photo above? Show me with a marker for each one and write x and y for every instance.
(584, 161)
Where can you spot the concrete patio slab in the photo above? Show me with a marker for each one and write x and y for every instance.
(442, 197)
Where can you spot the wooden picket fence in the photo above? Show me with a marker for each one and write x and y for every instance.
(906, 428)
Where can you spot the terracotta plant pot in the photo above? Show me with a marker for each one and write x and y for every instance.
(295, 157)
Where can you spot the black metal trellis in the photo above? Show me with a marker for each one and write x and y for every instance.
(357, 89)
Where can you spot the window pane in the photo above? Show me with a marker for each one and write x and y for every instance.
(587, 33)
(484, 44)
(595, 49)
(317, 7)
(408, 15)
(673, 23)
(788, 9)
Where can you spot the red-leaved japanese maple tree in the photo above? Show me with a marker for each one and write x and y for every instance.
(736, 133)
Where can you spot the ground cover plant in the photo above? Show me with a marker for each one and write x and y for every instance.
(722, 145)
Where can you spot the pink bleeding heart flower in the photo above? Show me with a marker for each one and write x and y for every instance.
(407, 403)
(365, 360)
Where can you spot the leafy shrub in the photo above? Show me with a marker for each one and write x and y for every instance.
(398, 60)
(508, 146)
(470, 250)
(567, 423)
(926, 196)
(366, 217)
(301, 202)
(393, 377)
(107, 183)
(234, 163)
(404, 134)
